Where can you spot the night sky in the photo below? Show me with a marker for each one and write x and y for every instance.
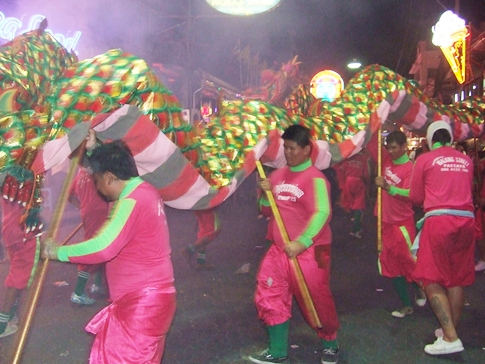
(323, 33)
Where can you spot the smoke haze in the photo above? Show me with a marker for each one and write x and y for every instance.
(324, 33)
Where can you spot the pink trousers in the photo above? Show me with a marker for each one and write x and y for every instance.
(133, 329)
(276, 286)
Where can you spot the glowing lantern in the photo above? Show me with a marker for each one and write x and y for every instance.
(450, 35)
(243, 7)
(327, 85)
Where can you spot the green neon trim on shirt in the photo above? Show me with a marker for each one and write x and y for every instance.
(321, 215)
(393, 190)
(301, 167)
(263, 202)
(119, 215)
(402, 159)
(132, 184)
(439, 145)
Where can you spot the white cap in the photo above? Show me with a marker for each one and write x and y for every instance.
(433, 127)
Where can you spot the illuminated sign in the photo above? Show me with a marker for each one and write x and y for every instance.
(450, 34)
(326, 85)
(10, 28)
(243, 7)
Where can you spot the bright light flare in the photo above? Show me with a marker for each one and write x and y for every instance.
(354, 64)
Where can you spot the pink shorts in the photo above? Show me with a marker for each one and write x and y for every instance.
(446, 252)
(209, 227)
(479, 221)
(23, 263)
(396, 259)
(88, 268)
(354, 193)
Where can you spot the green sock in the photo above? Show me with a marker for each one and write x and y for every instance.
(401, 287)
(97, 278)
(333, 344)
(357, 225)
(4, 318)
(13, 310)
(278, 339)
(82, 279)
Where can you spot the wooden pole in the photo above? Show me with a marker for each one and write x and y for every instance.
(293, 261)
(379, 192)
(69, 237)
(34, 291)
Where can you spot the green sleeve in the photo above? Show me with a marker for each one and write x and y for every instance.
(263, 202)
(320, 215)
(393, 190)
(107, 243)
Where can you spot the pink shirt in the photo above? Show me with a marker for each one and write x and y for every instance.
(442, 179)
(94, 209)
(134, 242)
(302, 196)
(395, 208)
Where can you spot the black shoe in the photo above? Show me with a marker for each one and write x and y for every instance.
(266, 357)
(330, 356)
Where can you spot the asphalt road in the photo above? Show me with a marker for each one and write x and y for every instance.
(216, 321)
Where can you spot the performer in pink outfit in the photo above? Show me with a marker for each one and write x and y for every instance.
(442, 182)
(23, 249)
(302, 195)
(94, 211)
(209, 227)
(135, 245)
(356, 171)
(398, 227)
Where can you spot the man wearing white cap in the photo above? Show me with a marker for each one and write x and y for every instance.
(442, 183)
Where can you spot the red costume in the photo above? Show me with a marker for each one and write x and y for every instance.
(442, 182)
(23, 249)
(398, 226)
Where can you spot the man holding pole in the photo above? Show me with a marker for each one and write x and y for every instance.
(398, 227)
(302, 198)
(136, 246)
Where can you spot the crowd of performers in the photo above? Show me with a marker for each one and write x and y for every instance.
(126, 234)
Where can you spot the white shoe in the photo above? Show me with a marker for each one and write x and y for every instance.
(95, 289)
(406, 310)
(9, 330)
(84, 299)
(420, 298)
(440, 347)
(14, 320)
(421, 302)
(357, 234)
(480, 266)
